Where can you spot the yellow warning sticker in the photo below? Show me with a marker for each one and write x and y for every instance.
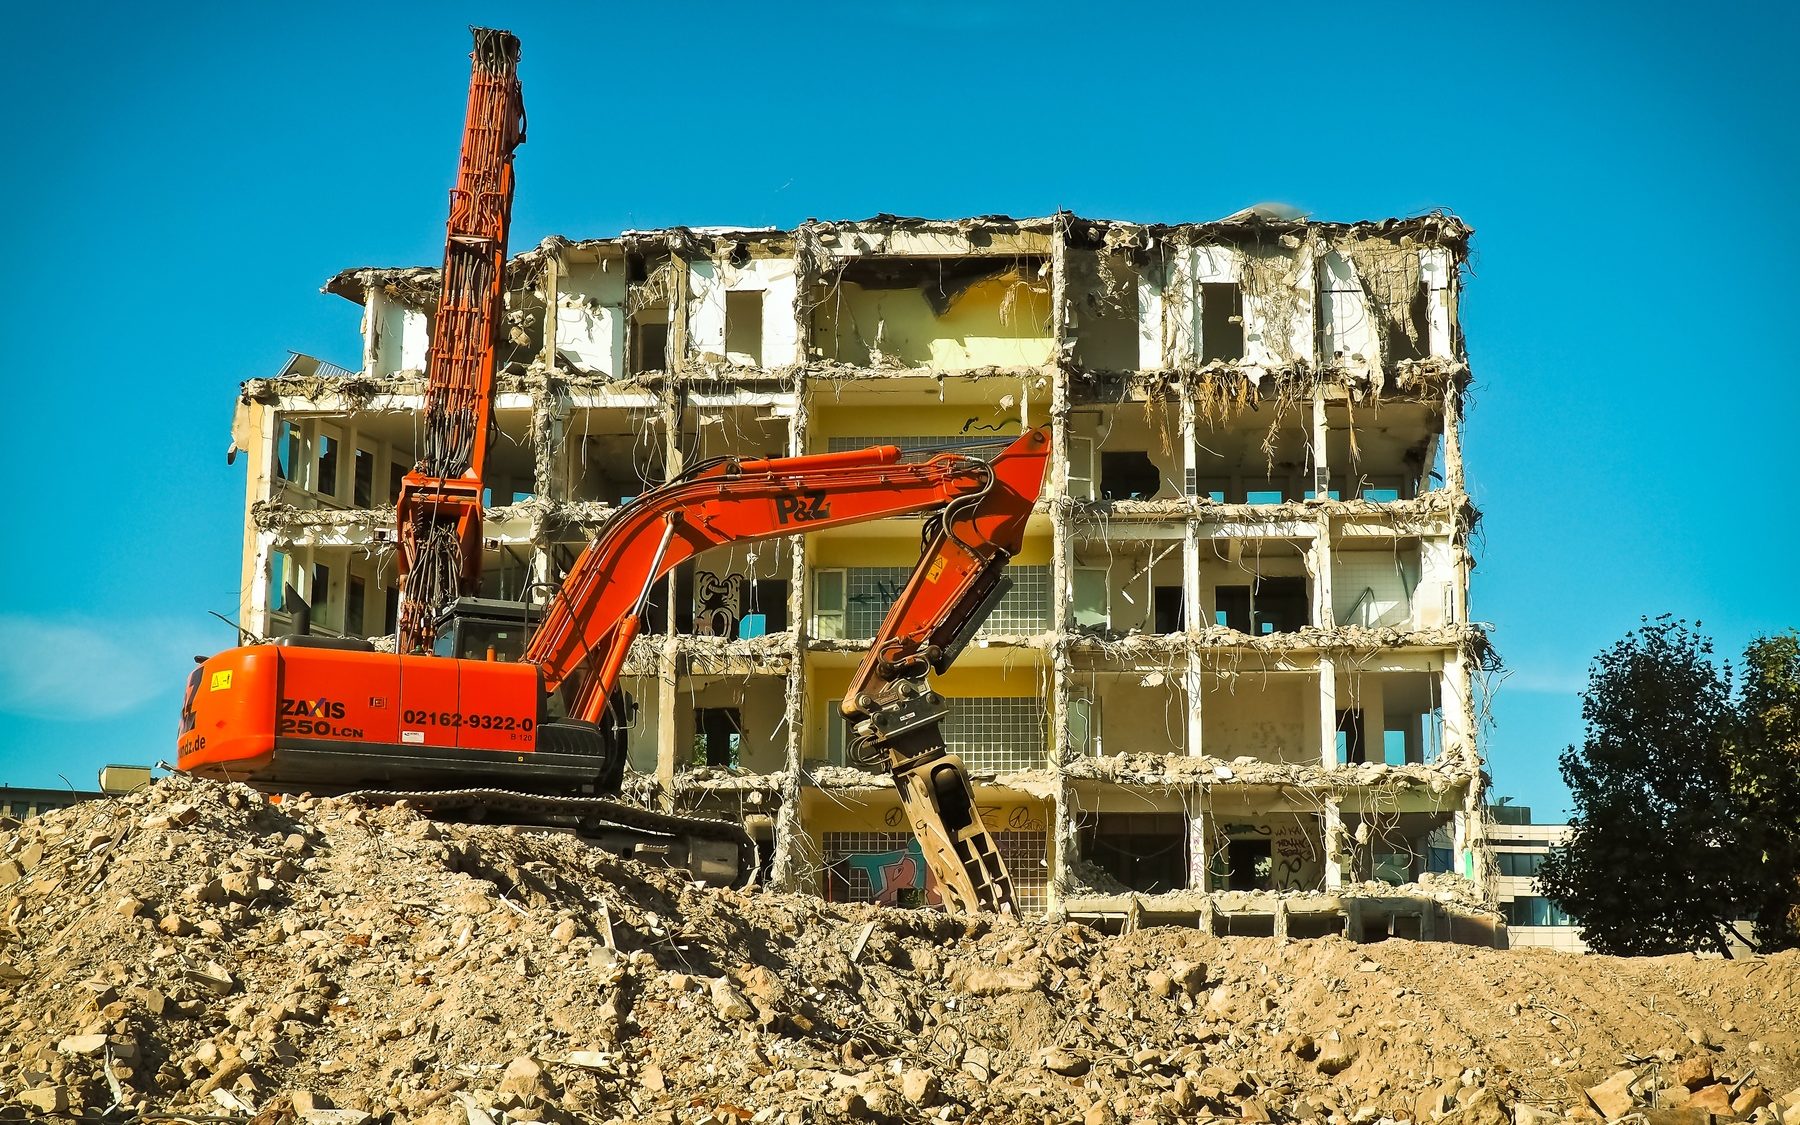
(221, 681)
(937, 568)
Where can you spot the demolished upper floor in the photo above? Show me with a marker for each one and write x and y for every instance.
(1367, 306)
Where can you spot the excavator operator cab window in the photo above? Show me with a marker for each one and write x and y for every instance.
(485, 629)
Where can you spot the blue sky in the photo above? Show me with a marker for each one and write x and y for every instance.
(182, 185)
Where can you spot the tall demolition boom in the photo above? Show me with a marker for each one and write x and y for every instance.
(439, 509)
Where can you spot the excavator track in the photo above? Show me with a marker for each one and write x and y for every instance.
(617, 826)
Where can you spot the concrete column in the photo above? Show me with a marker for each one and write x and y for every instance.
(1198, 845)
(1318, 561)
(789, 831)
(668, 669)
(1327, 712)
(1334, 840)
(1321, 450)
(374, 304)
(1453, 460)
(552, 266)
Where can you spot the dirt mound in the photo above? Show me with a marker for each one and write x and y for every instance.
(196, 949)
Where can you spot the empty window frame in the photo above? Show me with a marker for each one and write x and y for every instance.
(1221, 321)
(1148, 852)
(1128, 475)
(718, 733)
(362, 485)
(744, 327)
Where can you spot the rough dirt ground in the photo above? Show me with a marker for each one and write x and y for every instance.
(196, 950)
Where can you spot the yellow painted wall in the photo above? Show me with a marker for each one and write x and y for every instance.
(855, 325)
(951, 421)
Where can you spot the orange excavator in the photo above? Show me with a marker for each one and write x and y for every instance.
(468, 718)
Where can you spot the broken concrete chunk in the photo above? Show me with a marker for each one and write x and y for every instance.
(214, 977)
(1060, 1061)
(1693, 1072)
(990, 980)
(920, 1087)
(729, 1002)
(45, 1099)
(1714, 1099)
(1189, 976)
(1613, 1097)
(82, 1045)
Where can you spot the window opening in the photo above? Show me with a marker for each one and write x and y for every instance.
(355, 595)
(717, 734)
(1281, 605)
(1250, 865)
(326, 482)
(743, 327)
(1352, 746)
(1171, 616)
(1221, 321)
(1128, 475)
(362, 486)
(1232, 607)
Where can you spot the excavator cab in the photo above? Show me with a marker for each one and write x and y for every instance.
(486, 629)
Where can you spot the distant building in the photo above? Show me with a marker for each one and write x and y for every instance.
(1519, 847)
(115, 781)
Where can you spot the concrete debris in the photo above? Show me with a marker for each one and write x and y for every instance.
(341, 964)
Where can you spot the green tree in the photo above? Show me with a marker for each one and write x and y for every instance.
(1654, 862)
(1765, 784)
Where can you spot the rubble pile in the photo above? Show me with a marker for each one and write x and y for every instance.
(198, 950)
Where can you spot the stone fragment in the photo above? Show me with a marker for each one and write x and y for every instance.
(82, 1045)
(1692, 1072)
(305, 1101)
(991, 980)
(525, 1077)
(1189, 976)
(920, 1087)
(1060, 1061)
(1253, 1110)
(1676, 1115)
(1524, 1114)
(729, 1002)
(1613, 1096)
(1335, 1055)
(1159, 984)
(564, 932)
(175, 925)
(45, 1099)
(1715, 1099)
(1100, 1113)
(1483, 1108)
(977, 1063)
(1750, 1099)
(333, 1117)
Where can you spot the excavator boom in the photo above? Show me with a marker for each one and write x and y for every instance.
(439, 509)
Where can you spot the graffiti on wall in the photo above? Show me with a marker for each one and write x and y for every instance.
(718, 603)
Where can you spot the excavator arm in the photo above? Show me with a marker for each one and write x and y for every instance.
(439, 512)
(977, 513)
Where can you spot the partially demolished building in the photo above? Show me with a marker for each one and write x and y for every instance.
(1235, 682)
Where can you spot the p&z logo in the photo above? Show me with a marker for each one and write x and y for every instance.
(801, 507)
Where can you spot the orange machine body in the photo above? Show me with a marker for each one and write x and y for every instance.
(329, 719)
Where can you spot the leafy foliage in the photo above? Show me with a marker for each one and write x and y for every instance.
(1687, 805)
(1765, 783)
